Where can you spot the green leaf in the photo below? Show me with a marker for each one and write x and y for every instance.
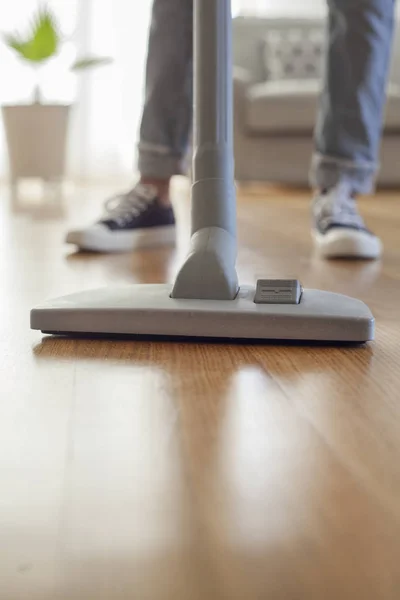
(14, 42)
(45, 39)
(90, 62)
(41, 43)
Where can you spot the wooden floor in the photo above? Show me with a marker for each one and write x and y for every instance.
(162, 471)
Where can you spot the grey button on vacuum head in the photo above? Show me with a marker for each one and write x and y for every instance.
(278, 291)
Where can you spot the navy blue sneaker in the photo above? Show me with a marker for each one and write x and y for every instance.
(339, 230)
(132, 221)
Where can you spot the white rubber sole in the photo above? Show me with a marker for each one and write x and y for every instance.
(99, 238)
(347, 243)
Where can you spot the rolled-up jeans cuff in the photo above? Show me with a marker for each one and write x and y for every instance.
(159, 162)
(328, 171)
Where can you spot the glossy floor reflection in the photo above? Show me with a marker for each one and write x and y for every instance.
(171, 471)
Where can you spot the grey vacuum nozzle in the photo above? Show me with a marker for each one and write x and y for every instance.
(209, 272)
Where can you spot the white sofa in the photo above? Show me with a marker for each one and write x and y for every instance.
(274, 119)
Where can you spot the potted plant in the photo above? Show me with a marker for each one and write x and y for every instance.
(36, 133)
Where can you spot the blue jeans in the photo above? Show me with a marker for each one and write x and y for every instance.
(350, 116)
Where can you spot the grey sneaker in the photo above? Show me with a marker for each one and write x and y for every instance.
(338, 229)
(133, 220)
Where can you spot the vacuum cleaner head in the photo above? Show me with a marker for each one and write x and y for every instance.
(253, 315)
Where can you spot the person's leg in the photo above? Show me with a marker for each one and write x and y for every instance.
(167, 114)
(349, 122)
(144, 216)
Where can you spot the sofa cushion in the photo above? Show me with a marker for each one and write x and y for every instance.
(392, 113)
(290, 106)
(294, 53)
(282, 106)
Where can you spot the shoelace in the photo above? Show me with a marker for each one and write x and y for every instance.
(339, 206)
(131, 204)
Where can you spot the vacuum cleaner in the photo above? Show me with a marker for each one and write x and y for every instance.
(206, 300)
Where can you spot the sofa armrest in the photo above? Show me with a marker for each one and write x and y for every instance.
(241, 81)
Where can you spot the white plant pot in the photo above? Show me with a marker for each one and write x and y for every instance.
(36, 137)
